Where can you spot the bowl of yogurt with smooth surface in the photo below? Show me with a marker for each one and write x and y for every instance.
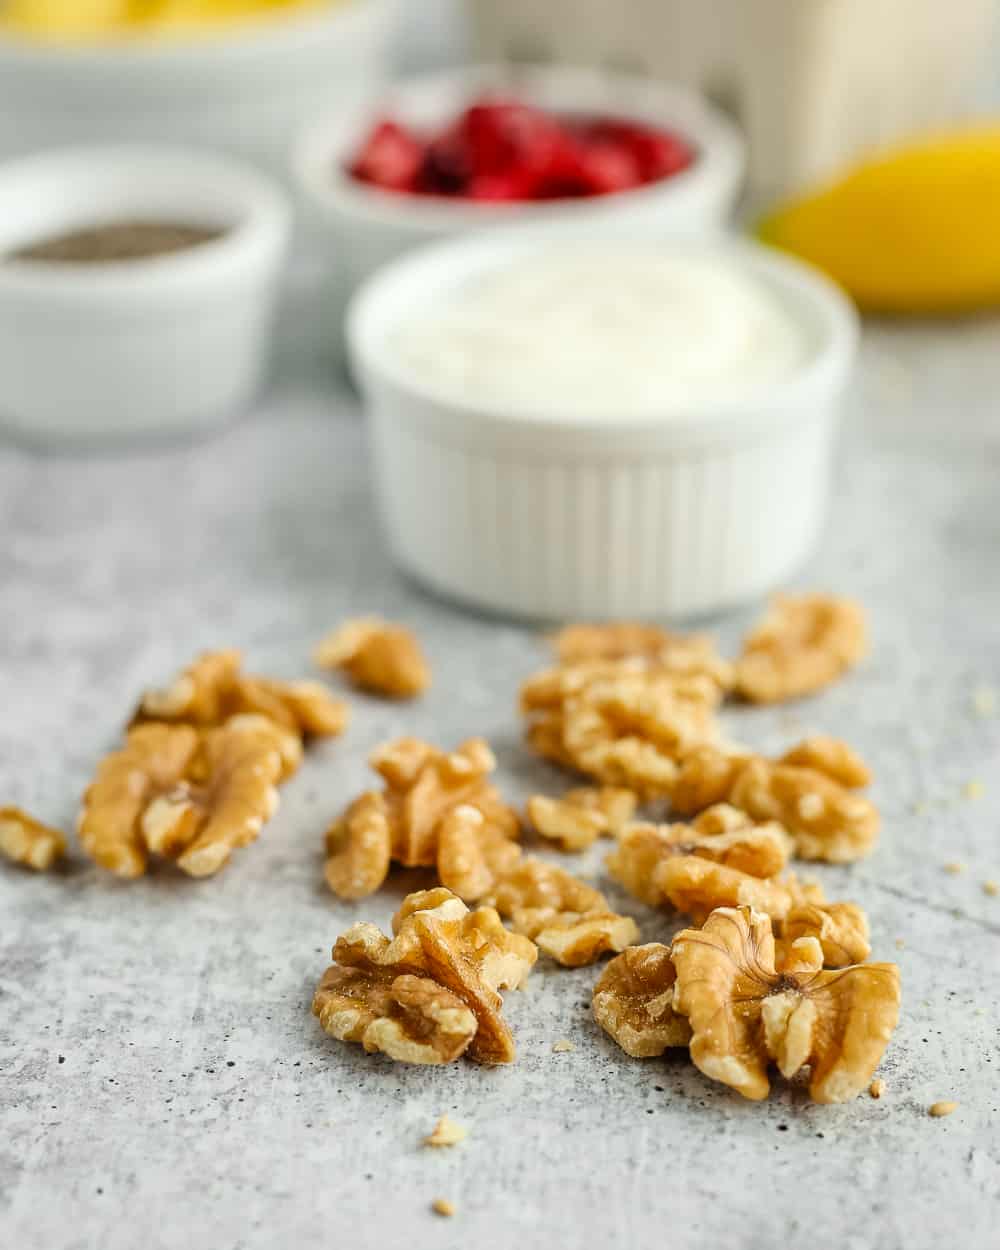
(601, 425)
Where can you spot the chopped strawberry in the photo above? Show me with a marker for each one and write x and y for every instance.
(391, 158)
(500, 149)
(606, 166)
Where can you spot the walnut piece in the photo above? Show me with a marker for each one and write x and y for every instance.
(840, 928)
(474, 851)
(359, 848)
(633, 1002)
(745, 1014)
(569, 921)
(214, 689)
(411, 1019)
(576, 820)
(410, 821)
(381, 658)
(802, 644)
(452, 963)
(193, 796)
(705, 776)
(825, 819)
(658, 649)
(24, 840)
(721, 833)
(619, 722)
(810, 791)
(834, 758)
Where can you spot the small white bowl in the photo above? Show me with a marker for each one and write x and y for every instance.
(162, 345)
(243, 89)
(661, 515)
(371, 226)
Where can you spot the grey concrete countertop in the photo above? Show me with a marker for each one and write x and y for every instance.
(162, 1083)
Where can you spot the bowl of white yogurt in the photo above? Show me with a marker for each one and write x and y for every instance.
(601, 425)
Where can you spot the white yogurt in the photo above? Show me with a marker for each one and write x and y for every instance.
(610, 328)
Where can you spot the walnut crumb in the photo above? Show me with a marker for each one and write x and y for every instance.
(446, 1133)
(954, 868)
(900, 944)
(563, 1046)
(940, 1109)
(984, 701)
(441, 1206)
(992, 888)
(973, 790)
(877, 1087)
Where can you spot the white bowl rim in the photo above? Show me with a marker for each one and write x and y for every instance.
(321, 148)
(764, 407)
(265, 35)
(264, 210)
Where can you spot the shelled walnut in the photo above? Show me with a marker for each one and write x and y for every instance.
(431, 993)
(721, 834)
(826, 820)
(582, 815)
(214, 689)
(191, 795)
(26, 841)
(810, 791)
(802, 644)
(745, 1013)
(620, 722)
(377, 656)
(410, 821)
(568, 920)
(633, 1002)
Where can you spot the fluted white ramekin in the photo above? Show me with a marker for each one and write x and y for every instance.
(675, 516)
(159, 346)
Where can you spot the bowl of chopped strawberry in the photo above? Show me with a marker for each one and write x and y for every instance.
(470, 149)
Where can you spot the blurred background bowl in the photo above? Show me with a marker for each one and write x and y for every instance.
(244, 89)
(158, 346)
(368, 226)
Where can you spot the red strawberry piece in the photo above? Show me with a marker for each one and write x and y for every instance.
(606, 166)
(660, 154)
(391, 157)
(516, 184)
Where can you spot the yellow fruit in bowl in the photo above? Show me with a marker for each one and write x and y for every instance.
(81, 20)
(913, 230)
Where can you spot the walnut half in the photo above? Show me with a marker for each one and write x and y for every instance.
(745, 1013)
(437, 809)
(431, 993)
(24, 840)
(802, 644)
(189, 795)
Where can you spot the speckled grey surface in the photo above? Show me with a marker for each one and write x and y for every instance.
(162, 1082)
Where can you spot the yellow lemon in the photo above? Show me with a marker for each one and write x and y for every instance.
(915, 230)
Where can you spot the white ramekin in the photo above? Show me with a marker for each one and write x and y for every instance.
(244, 90)
(369, 227)
(598, 518)
(156, 346)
